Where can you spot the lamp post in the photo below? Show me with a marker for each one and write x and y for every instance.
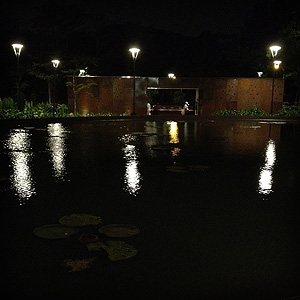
(274, 51)
(135, 53)
(17, 49)
(55, 63)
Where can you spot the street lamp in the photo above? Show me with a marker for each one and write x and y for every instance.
(55, 63)
(274, 51)
(17, 49)
(277, 64)
(135, 53)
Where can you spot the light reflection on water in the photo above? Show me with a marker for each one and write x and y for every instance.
(22, 159)
(215, 213)
(57, 146)
(265, 181)
(20, 154)
(132, 176)
(173, 132)
(174, 137)
(170, 136)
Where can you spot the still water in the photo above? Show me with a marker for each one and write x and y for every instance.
(217, 204)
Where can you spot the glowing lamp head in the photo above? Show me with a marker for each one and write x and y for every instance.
(17, 49)
(55, 63)
(274, 50)
(171, 76)
(277, 63)
(82, 73)
(134, 52)
(259, 74)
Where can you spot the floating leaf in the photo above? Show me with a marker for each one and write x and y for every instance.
(119, 230)
(55, 231)
(76, 265)
(88, 238)
(79, 220)
(116, 250)
(98, 246)
(119, 250)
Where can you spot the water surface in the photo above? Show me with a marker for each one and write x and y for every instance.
(217, 204)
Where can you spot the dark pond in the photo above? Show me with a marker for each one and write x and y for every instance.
(217, 204)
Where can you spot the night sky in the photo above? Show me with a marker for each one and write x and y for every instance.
(185, 17)
(189, 38)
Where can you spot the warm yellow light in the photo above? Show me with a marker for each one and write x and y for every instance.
(274, 50)
(277, 64)
(134, 52)
(55, 63)
(173, 132)
(17, 49)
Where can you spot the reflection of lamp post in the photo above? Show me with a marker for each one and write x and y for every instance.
(274, 51)
(17, 49)
(135, 53)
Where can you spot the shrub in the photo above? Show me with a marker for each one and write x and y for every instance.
(289, 111)
(254, 111)
(8, 109)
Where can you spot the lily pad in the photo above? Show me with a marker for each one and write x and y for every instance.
(55, 231)
(88, 238)
(78, 264)
(79, 220)
(119, 230)
(116, 250)
(98, 246)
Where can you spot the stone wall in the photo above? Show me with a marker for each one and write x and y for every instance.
(115, 94)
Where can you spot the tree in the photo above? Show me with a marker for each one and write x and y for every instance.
(79, 87)
(45, 72)
(76, 64)
(291, 56)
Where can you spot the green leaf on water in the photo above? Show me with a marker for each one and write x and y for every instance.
(116, 250)
(79, 220)
(76, 265)
(55, 231)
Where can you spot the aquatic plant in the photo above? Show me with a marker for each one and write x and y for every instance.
(70, 225)
(55, 231)
(116, 250)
